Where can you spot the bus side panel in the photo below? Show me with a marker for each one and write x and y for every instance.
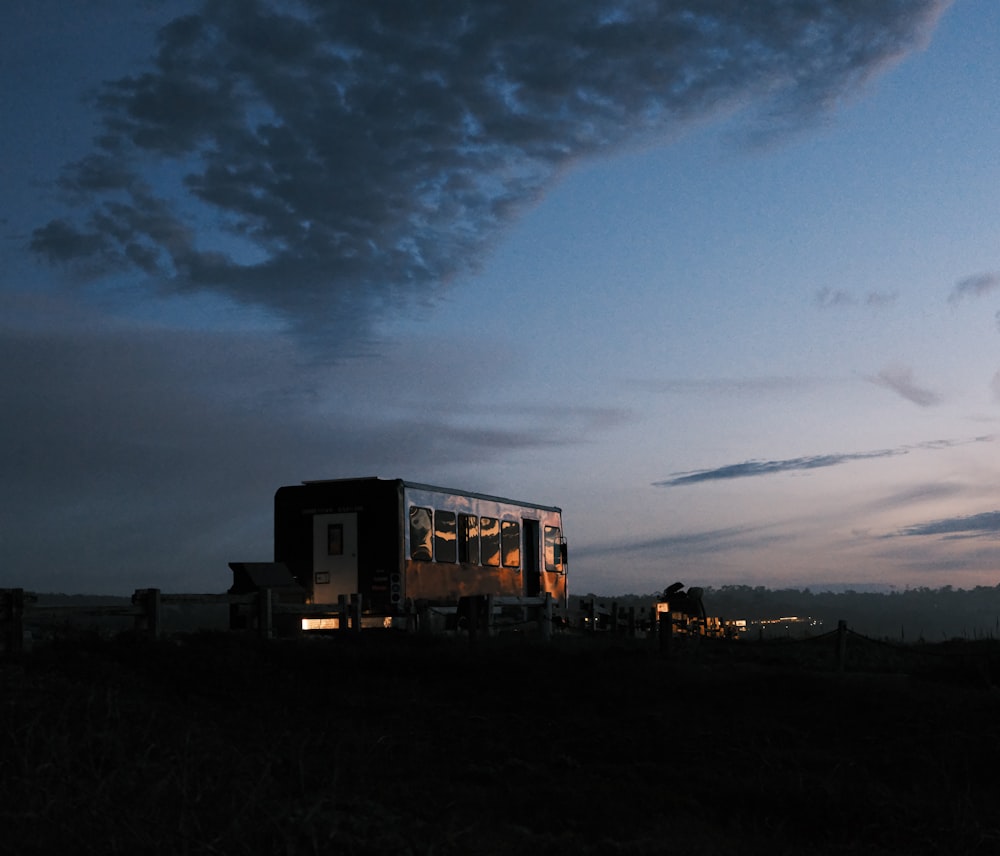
(446, 582)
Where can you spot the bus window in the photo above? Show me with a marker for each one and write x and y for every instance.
(444, 536)
(468, 539)
(420, 533)
(490, 537)
(510, 538)
(553, 549)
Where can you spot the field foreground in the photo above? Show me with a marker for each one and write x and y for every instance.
(215, 743)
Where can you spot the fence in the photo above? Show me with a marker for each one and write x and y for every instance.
(264, 613)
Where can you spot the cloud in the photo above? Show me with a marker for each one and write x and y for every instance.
(977, 285)
(686, 544)
(332, 161)
(835, 297)
(976, 525)
(827, 297)
(995, 386)
(142, 455)
(878, 299)
(747, 469)
(766, 468)
(931, 492)
(900, 380)
(755, 386)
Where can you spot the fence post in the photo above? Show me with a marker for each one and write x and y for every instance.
(666, 622)
(149, 619)
(343, 621)
(841, 644)
(265, 620)
(12, 620)
(547, 617)
(487, 605)
(423, 617)
(468, 608)
(356, 612)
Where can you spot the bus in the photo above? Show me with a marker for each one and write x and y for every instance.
(399, 544)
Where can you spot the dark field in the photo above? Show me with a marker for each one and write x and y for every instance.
(394, 744)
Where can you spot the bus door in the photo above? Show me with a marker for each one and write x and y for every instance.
(335, 556)
(529, 561)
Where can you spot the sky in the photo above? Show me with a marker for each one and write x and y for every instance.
(720, 280)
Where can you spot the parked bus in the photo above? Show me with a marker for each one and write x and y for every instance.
(399, 543)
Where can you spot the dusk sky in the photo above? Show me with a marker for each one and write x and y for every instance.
(721, 280)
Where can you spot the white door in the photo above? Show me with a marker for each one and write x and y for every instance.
(335, 556)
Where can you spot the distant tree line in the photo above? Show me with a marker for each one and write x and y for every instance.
(912, 615)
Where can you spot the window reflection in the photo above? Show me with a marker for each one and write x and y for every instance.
(444, 536)
(468, 538)
(420, 533)
(553, 549)
(489, 536)
(510, 538)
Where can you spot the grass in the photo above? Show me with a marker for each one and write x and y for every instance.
(387, 744)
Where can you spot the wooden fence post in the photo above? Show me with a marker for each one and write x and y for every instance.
(356, 612)
(468, 608)
(666, 628)
(149, 619)
(423, 617)
(265, 614)
(12, 620)
(343, 621)
(487, 605)
(841, 644)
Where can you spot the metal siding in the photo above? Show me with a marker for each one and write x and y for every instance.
(384, 540)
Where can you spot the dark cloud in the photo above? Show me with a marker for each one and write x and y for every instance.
(747, 469)
(332, 160)
(766, 468)
(975, 286)
(138, 455)
(976, 525)
(900, 380)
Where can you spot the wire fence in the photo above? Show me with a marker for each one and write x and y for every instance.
(263, 613)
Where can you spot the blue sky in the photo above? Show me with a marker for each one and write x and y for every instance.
(725, 288)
